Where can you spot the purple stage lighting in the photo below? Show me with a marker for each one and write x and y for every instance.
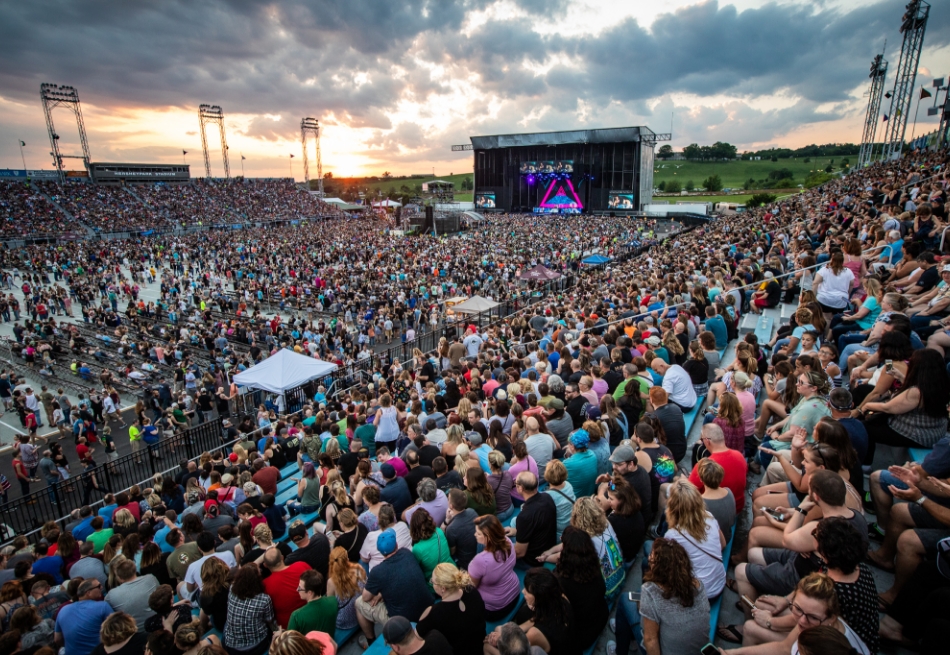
(530, 180)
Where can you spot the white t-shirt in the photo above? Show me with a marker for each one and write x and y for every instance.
(706, 556)
(679, 386)
(369, 552)
(193, 574)
(834, 290)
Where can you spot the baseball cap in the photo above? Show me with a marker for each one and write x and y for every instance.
(227, 478)
(386, 542)
(945, 269)
(623, 453)
(388, 471)
(396, 630)
(580, 439)
(250, 489)
(557, 403)
(593, 413)
(233, 457)
(653, 341)
(473, 437)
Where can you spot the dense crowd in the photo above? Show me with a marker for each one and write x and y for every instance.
(497, 491)
(24, 211)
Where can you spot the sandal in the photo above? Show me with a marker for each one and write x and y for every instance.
(732, 585)
(729, 633)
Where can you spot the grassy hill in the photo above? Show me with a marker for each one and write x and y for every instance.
(394, 185)
(735, 173)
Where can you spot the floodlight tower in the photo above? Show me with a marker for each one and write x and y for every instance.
(311, 126)
(213, 115)
(53, 96)
(878, 73)
(913, 25)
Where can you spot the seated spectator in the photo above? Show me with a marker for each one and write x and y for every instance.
(162, 603)
(35, 632)
(673, 613)
(460, 616)
(345, 583)
(78, 624)
(548, 615)
(501, 484)
(120, 635)
(492, 570)
(351, 534)
(535, 527)
(677, 384)
(578, 571)
(430, 498)
(369, 553)
(561, 492)
(319, 613)
(215, 590)
(479, 493)
(403, 639)
(589, 517)
(695, 529)
(281, 585)
(396, 586)
(719, 500)
(132, 594)
(671, 418)
(581, 463)
(250, 619)
(429, 544)
(813, 388)
(459, 528)
(732, 461)
(621, 504)
(396, 491)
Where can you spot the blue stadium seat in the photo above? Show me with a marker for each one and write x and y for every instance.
(918, 454)
(717, 605)
(491, 625)
(763, 330)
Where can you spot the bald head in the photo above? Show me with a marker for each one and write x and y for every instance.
(532, 425)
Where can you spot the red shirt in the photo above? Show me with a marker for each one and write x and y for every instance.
(282, 589)
(735, 466)
(267, 479)
(82, 450)
(132, 507)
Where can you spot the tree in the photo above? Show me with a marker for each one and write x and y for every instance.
(760, 199)
(749, 184)
(829, 168)
(722, 150)
(661, 186)
(387, 175)
(773, 158)
(665, 152)
(689, 186)
(692, 151)
(713, 183)
(328, 176)
(673, 186)
(807, 160)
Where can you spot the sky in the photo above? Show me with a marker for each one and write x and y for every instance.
(395, 83)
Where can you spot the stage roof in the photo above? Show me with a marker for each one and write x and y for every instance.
(609, 135)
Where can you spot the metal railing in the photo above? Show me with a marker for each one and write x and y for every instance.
(54, 502)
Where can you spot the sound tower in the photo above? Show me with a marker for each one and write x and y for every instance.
(429, 225)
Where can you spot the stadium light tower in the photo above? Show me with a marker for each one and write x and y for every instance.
(913, 24)
(53, 96)
(213, 115)
(878, 73)
(311, 126)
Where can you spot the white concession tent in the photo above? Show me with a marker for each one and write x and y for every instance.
(284, 371)
(474, 305)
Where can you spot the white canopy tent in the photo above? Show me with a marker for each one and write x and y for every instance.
(284, 371)
(475, 305)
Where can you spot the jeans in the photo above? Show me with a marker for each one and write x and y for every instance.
(628, 625)
(503, 516)
(852, 348)
(840, 327)
(51, 487)
(295, 508)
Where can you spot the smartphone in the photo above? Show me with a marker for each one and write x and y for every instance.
(888, 364)
(634, 596)
(747, 601)
(778, 516)
(709, 649)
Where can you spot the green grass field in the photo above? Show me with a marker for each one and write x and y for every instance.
(736, 198)
(395, 185)
(735, 173)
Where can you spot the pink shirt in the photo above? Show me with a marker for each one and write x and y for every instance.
(527, 464)
(600, 388)
(498, 582)
(747, 400)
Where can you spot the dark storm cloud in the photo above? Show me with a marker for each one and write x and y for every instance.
(356, 59)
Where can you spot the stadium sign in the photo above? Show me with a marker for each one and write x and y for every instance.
(20, 174)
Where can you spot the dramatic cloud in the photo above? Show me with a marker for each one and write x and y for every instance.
(396, 83)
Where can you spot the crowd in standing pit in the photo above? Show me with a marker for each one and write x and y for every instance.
(519, 470)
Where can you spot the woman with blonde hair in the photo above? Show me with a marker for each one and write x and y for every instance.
(335, 500)
(674, 347)
(345, 581)
(695, 529)
(462, 455)
(292, 642)
(124, 524)
(455, 437)
(590, 517)
(119, 633)
(460, 616)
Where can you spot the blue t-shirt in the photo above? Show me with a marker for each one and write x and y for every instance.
(717, 326)
(106, 514)
(79, 623)
(83, 530)
(160, 540)
(894, 251)
(582, 472)
(402, 584)
(874, 309)
(798, 332)
(52, 565)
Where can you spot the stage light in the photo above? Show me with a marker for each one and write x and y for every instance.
(530, 180)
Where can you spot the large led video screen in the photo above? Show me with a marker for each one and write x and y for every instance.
(565, 166)
(546, 167)
(485, 200)
(529, 167)
(620, 200)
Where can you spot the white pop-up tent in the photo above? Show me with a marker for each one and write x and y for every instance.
(474, 305)
(283, 371)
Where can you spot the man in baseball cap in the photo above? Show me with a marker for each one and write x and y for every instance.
(581, 464)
